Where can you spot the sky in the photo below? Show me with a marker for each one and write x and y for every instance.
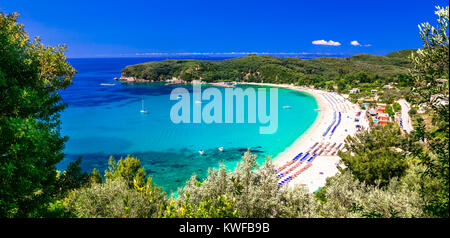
(108, 28)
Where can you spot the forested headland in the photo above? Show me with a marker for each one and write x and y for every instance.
(359, 68)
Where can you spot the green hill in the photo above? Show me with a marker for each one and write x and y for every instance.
(402, 53)
(263, 68)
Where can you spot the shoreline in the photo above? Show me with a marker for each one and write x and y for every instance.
(301, 140)
(314, 126)
(313, 171)
(323, 165)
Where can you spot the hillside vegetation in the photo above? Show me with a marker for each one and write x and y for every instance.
(269, 69)
(402, 53)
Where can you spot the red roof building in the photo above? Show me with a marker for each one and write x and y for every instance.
(382, 118)
(381, 108)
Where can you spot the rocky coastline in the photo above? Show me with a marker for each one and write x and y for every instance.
(172, 81)
(126, 79)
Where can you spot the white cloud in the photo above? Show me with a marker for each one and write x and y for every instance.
(356, 43)
(324, 42)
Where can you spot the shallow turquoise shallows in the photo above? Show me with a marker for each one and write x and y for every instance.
(103, 120)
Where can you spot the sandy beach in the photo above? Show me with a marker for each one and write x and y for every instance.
(313, 173)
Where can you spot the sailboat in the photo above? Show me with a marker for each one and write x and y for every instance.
(142, 107)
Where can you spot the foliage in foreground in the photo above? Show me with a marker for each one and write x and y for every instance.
(244, 192)
(110, 199)
(31, 144)
(126, 192)
(429, 65)
(345, 196)
(255, 192)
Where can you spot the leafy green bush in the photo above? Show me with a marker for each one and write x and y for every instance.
(344, 196)
(114, 198)
(126, 192)
(376, 156)
(397, 107)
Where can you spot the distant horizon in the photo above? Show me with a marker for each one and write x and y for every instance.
(218, 55)
(307, 55)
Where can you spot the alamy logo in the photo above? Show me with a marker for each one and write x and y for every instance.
(212, 111)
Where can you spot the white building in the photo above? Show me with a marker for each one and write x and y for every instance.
(355, 90)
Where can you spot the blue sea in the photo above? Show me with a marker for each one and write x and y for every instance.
(104, 120)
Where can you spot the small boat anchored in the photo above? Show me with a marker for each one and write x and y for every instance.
(199, 102)
(220, 148)
(287, 107)
(201, 152)
(318, 109)
(142, 107)
(107, 84)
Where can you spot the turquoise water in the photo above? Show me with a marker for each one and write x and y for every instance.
(105, 120)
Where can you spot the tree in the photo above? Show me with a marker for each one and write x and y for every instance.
(389, 95)
(389, 110)
(126, 192)
(114, 198)
(397, 107)
(376, 156)
(129, 169)
(412, 111)
(71, 178)
(95, 177)
(31, 144)
(345, 196)
(221, 207)
(429, 65)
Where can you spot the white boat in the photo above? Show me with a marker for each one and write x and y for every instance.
(201, 152)
(220, 148)
(142, 107)
(286, 107)
(199, 102)
(107, 84)
(179, 97)
(317, 109)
